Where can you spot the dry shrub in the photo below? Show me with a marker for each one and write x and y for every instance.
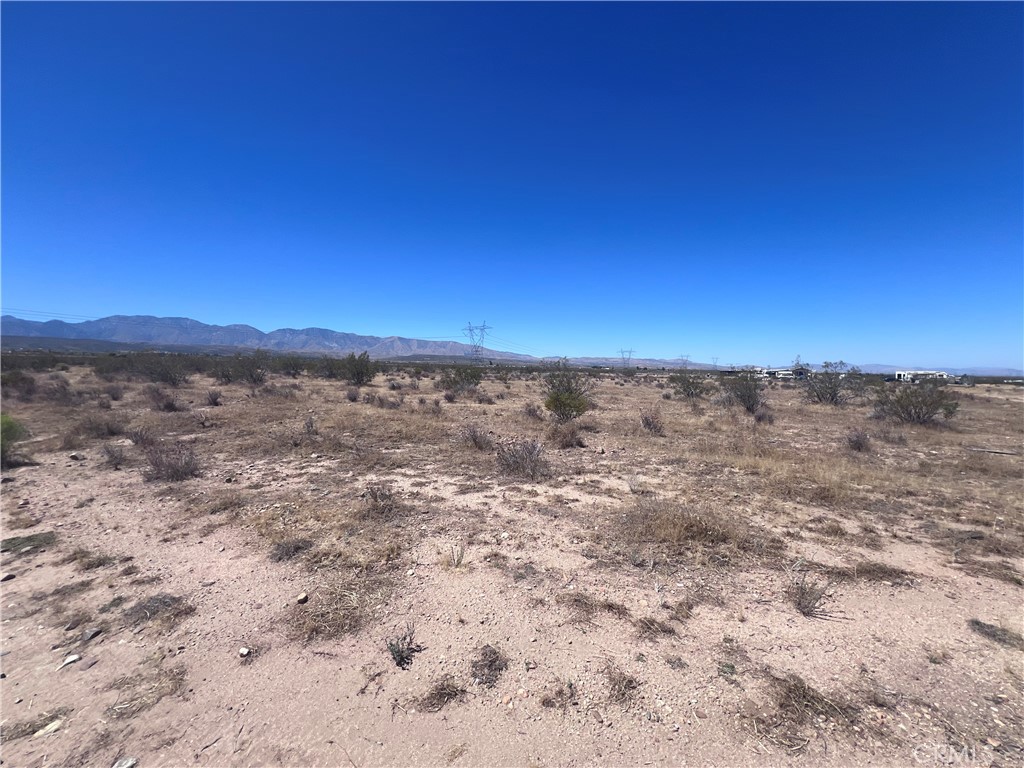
(99, 427)
(141, 436)
(808, 594)
(533, 411)
(88, 560)
(213, 397)
(764, 416)
(797, 704)
(523, 458)
(477, 437)
(161, 400)
(352, 394)
(488, 666)
(442, 693)
(173, 462)
(651, 420)
(382, 503)
(562, 695)
(566, 435)
(113, 456)
(858, 440)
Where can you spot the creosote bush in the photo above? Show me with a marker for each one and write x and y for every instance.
(10, 432)
(651, 420)
(688, 384)
(747, 390)
(835, 384)
(915, 403)
(567, 393)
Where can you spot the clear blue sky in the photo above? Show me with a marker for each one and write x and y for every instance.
(749, 182)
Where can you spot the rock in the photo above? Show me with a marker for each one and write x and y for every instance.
(76, 457)
(69, 660)
(7, 480)
(410, 572)
(531, 665)
(24, 503)
(88, 664)
(91, 634)
(126, 762)
(243, 652)
(302, 599)
(7, 577)
(73, 624)
(701, 714)
(48, 729)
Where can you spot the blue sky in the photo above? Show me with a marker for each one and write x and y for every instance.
(742, 181)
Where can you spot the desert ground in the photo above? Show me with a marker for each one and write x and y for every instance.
(380, 576)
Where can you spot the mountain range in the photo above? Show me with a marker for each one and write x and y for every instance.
(182, 334)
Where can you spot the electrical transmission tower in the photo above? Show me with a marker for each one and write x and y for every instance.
(476, 335)
(627, 356)
(714, 361)
(686, 360)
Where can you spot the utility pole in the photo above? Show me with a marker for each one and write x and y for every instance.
(476, 335)
(627, 356)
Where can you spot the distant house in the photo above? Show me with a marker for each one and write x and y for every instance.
(915, 376)
(796, 372)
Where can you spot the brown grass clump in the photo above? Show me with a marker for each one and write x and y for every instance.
(808, 594)
(679, 529)
(488, 666)
(87, 560)
(566, 435)
(442, 693)
(340, 607)
(477, 437)
(404, 647)
(164, 609)
(652, 421)
(289, 548)
(382, 503)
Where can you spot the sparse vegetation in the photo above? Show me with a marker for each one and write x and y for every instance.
(915, 403)
(834, 384)
(488, 666)
(404, 647)
(747, 390)
(11, 431)
(522, 458)
(652, 421)
(477, 437)
(172, 462)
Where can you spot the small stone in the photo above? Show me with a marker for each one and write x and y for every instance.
(73, 624)
(24, 503)
(411, 572)
(7, 577)
(76, 457)
(69, 660)
(243, 652)
(531, 665)
(18, 701)
(302, 599)
(91, 634)
(88, 664)
(221, 549)
(701, 714)
(126, 762)
(598, 716)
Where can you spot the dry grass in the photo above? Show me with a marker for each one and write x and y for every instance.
(340, 606)
(488, 666)
(404, 647)
(583, 607)
(11, 731)
(622, 687)
(796, 708)
(523, 458)
(442, 693)
(141, 691)
(163, 610)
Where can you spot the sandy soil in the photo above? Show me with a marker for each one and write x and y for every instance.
(603, 665)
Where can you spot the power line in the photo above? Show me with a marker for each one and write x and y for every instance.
(627, 356)
(476, 335)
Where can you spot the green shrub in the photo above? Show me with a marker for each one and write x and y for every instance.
(915, 403)
(11, 431)
(688, 384)
(835, 384)
(460, 379)
(358, 371)
(567, 393)
(747, 390)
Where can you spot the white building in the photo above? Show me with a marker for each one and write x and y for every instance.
(916, 376)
